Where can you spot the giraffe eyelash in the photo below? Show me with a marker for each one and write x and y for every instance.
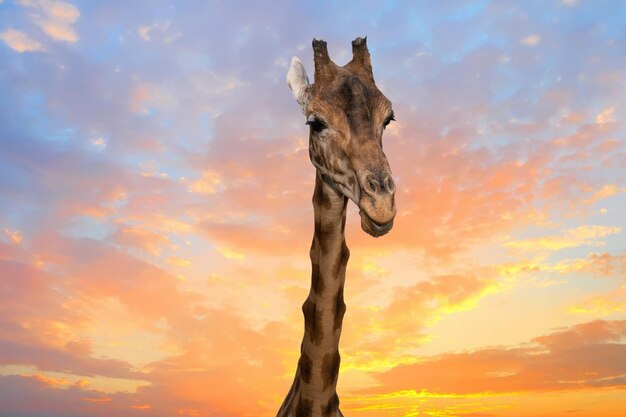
(316, 124)
(389, 120)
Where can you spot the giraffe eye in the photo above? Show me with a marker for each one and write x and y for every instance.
(316, 124)
(389, 120)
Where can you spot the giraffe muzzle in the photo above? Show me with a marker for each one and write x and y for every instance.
(373, 228)
(377, 201)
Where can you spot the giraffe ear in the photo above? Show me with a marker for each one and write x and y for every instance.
(298, 82)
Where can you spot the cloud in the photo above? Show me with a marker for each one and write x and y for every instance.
(407, 316)
(55, 17)
(583, 356)
(144, 239)
(29, 336)
(14, 235)
(598, 264)
(87, 282)
(540, 272)
(93, 276)
(210, 182)
(146, 97)
(603, 305)
(216, 364)
(48, 400)
(531, 40)
(606, 115)
(571, 238)
(146, 32)
(67, 360)
(229, 254)
(175, 261)
(99, 143)
(606, 191)
(19, 41)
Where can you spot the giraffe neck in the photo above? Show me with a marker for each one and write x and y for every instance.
(314, 390)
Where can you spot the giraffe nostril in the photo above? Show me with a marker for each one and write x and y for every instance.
(372, 184)
(390, 185)
(381, 183)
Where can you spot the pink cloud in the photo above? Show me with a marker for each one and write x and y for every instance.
(144, 239)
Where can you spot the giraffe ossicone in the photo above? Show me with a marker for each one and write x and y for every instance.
(347, 115)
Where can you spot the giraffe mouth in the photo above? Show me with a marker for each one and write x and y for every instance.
(373, 228)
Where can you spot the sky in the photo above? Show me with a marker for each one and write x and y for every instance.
(156, 217)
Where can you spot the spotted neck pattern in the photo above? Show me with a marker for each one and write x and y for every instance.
(314, 389)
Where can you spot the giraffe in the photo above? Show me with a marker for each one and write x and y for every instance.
(346, 114)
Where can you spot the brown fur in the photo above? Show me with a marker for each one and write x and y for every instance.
(331, 407)
(330, 369)
(311, 322)
(304, 408)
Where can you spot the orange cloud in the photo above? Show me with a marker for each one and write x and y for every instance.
(146, 97)
(146, 32)
(55, 17)
(208, 184)
(584, 356)
(144, 239)
(20, 42)
(606, 115)
(50, 381)
(387, 336)
(598, 264)
(176, 261)
(531, 40)
(581, 235)
(606, 191)
(97, 400)
(14, 235)
(602, 305)
(229, 254)
(141, 407)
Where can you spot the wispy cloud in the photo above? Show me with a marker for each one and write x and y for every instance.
(54, 17)
(531, 40)
(603, 305)
(20, 41)
(581, 235)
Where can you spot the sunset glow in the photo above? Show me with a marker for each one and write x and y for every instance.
(156, 217)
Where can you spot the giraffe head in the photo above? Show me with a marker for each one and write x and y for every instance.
(347, 115)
